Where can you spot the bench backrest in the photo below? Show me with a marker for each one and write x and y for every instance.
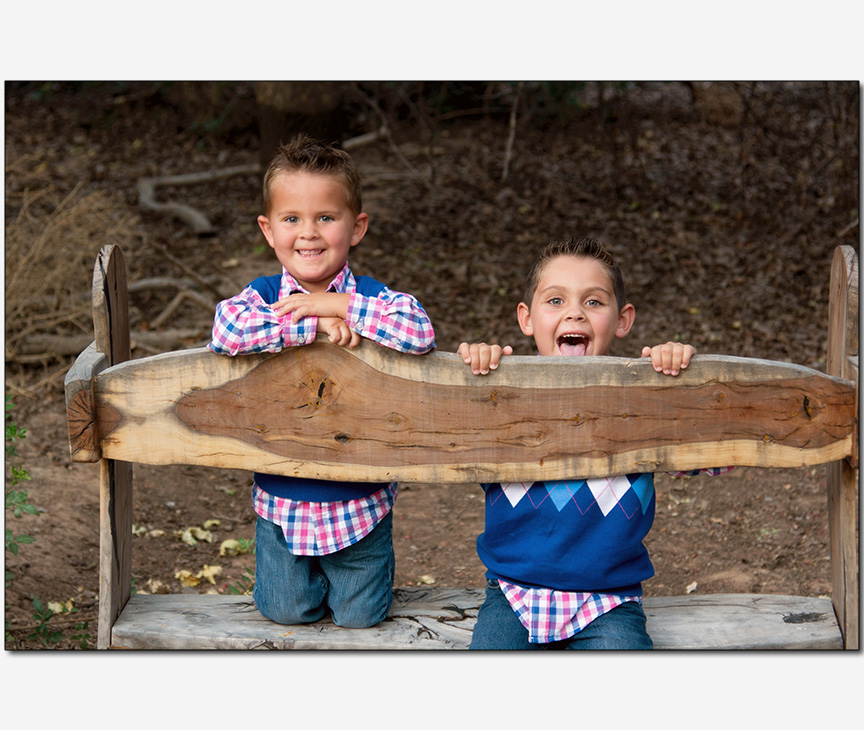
(373, 414)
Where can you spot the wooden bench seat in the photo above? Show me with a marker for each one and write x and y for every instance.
(442, 618)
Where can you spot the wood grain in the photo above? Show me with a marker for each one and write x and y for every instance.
(843, 485)
(373, 414)
(443, 618)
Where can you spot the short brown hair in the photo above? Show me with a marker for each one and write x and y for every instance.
(304, 154)
(582, 247)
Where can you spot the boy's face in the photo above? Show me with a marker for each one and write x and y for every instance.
(574, 311)
(310, 227)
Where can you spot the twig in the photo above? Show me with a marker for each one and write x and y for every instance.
(512, 135)
(189, 271)
(363, 139)
(42, 345)
(843, 231)
(384, 130)
(54, 621)
(175, 303)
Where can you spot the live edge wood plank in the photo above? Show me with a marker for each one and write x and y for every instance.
(321, 411)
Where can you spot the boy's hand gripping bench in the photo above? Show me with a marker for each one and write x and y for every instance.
(373, 414)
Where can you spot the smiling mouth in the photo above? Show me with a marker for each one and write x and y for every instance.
(573, 344)
(310, 254)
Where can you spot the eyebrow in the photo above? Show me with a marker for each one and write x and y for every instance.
(552, 288)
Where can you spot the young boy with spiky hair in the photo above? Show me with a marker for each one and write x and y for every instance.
(565, 560)
(320, 546)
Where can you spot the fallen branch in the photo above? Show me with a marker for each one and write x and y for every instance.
(198, 222)
(207, 304)
(204, 283)
(363, 139)
(54, 345)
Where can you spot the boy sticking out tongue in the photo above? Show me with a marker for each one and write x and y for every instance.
(576, 305)
(565, 559)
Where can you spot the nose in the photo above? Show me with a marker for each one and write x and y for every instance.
(309, 229)
(574, 312)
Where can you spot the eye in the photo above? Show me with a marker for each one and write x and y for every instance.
(555, 301)
(327, 218)
(594, 303)
(291, 219)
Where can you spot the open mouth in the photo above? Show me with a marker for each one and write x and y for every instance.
(310, 253)
(572, 344)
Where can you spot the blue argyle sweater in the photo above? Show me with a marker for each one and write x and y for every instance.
(583, 535)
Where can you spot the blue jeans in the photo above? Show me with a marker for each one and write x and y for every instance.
(354, 584)
(498, 627)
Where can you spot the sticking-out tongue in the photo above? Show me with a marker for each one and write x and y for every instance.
(573, 346)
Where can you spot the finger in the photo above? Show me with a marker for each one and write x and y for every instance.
(473, 357)
(656, 355)
(484, 356)
(497, 354)
(355, 339)
(689, 351)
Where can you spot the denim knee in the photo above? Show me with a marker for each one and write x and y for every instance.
(361, 578)
(621, 629)
(289, 589)
(498, 627)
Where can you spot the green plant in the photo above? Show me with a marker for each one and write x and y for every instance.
(17, 503)
(16, 499)
(82, 638)
(244, 585)
(44, 633)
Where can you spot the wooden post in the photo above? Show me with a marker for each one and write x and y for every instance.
(111, 323)
(843, 475)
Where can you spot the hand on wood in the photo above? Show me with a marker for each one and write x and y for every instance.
(482, 358)
(671, 358)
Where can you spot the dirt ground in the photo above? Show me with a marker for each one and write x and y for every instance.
(723, 202)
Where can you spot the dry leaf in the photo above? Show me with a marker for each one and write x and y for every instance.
(692, 587)
(230, 547)
(187, 579)
(191, 535)
(211, 572)
(59, 607)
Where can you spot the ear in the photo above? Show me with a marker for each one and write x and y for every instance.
(361, 225)
(523, 314)
(264, 225)
(626, 317)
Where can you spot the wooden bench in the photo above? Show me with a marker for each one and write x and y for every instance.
(373, 414)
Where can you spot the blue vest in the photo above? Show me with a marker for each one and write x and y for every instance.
(575, 535)
(313, 490)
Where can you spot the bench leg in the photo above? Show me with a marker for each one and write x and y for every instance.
(843, 524)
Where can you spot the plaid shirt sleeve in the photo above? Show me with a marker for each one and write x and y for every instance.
(246, 324)
(392, 319)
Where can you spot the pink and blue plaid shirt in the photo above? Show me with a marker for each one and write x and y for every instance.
(551, 615)
(246, 323)
(557, 615)
(321, 528)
